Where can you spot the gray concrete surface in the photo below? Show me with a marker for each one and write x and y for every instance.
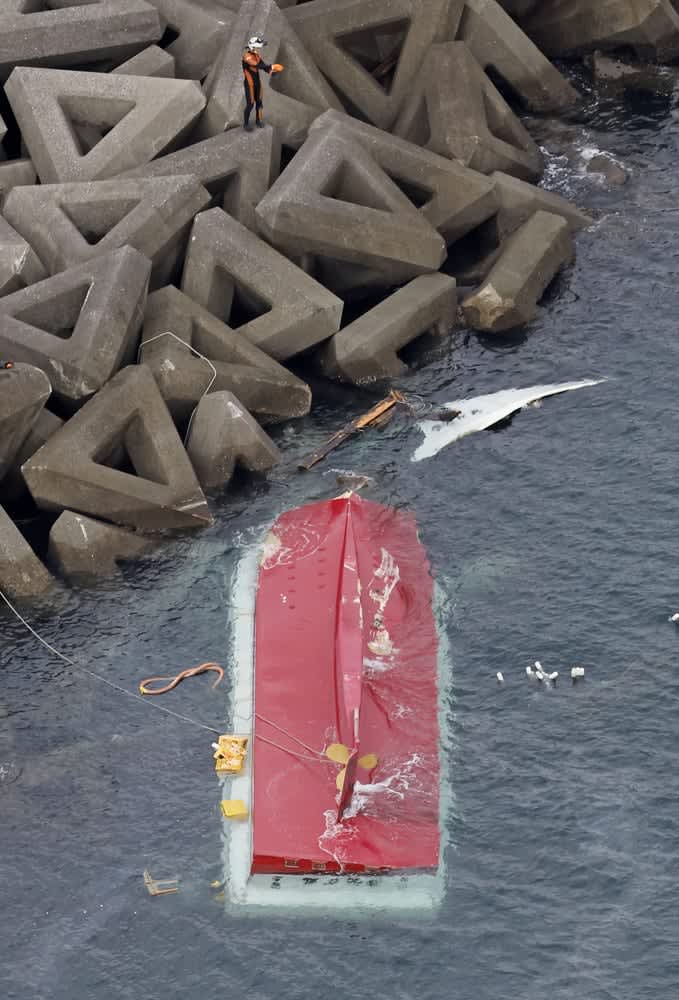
(22, 575)
(264, 387)
(79, 326)
(529, 260)
(336, 201)
(224, 434)
(134, 118)
(67, 224)
(367, 349)
(70, 472)
(80, 547)
(229, 270)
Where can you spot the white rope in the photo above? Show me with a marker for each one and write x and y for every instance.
(98, 677)
(289, 735)
(168, 333)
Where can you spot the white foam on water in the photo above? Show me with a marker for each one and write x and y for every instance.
(481, 412)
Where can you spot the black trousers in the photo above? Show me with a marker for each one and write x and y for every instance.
(253, 96)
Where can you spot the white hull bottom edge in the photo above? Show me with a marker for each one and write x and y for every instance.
(419, 892)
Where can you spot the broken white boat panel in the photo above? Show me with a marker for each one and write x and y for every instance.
(482, 412)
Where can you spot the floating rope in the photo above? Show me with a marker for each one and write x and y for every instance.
(191, 672)
(98, 677)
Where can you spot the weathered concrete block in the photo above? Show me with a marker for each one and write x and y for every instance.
(248, 285)
(449, 23)
(14, 172)
(152, 61)
(570, 27)
(236, 167)
(80, 326)
(530, 259)
(518, 201)
(82, 547)
(132, 119)
(21, 572)
(68, 224)
(19, 266)
(24, 390)
(202, 29)
(31, 35)
(263, 386)
(128, 415)
(459, 113)
(368, 348)
(496, 41)
(292, 99)
(340, 35)
(615, 75)
(222, 434)
(335, 201)
(12, 486)
(453, 199)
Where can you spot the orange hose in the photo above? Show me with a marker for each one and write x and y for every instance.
(191, 672)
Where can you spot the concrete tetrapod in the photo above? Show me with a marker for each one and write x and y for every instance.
(13, 487)
(459, 113)
(24, 390)
(202, 29)
(342, 36)
(244, 282)
(495, 40)
(222, 434)
(13, 173)
(367, 349)
(132, 118)
(70, 223)
(129, 417)
(453, 199)
(80, 546)
(74, 33)
(518, 200)
(152, 61)
(21, 572)
(263, 386)
(528, 262)
(236, 167)
(292, 99)
(79, 326)
(335, 201)
(19, 265)
(567, 27)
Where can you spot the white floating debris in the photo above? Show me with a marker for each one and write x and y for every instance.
(481, 412)
(577, 672)
(531, 673)
(553, 676)
(500, 678)
(674, 617)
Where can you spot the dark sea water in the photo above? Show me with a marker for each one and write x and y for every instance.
(555, 539)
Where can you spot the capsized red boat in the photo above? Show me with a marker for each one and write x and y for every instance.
(343, 693)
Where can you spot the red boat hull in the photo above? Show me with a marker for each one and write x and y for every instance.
(311, 624)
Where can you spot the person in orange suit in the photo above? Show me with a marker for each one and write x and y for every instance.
(252, 64)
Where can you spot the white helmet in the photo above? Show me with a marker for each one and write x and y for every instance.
(256, 42)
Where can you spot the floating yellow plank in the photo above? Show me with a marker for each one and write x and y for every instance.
(234, 809)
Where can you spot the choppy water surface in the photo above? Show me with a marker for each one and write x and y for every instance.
(555, 538)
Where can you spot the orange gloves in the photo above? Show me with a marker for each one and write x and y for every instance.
(276, 68)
